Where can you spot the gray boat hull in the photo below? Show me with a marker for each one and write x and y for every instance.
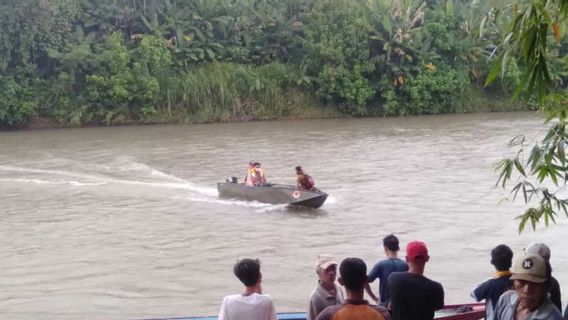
(273, 194)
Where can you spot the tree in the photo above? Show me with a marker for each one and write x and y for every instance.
(541, 166)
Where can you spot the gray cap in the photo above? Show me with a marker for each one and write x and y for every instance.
(539, 248)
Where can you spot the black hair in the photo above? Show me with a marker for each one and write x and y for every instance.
(502, 257)
(353, 271)
(248, 271)
(298, 168)
(391, 242)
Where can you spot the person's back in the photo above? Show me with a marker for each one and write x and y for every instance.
(246, 307)
(304, 180)
(492, 289)
(384, 268)
(361, 310)
(251, 304)
(413, 296)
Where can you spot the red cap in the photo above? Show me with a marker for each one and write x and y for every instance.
(416, 250)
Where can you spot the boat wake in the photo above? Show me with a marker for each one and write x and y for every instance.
(121, 172)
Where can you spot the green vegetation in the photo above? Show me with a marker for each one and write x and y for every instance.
(77, 62)
(536, 39)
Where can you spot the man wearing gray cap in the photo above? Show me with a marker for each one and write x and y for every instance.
(327, 293)
(544, 252)
(529, 300)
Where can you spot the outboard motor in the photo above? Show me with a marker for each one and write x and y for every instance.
(232, 180)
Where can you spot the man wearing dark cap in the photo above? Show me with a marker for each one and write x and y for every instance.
(492, 289)
(413, 296)
(529, 300)
(353, 276)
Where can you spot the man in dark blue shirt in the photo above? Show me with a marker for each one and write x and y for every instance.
(384, 268)
(491, 290)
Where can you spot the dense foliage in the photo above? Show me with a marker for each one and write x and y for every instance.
(536, 38)
(77, 62)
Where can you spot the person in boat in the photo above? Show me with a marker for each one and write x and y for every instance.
(327, 293)
(413, 296)
(252, 303)
(529, 299)
(384, 268)
(255, 175)
(250, 174)
(304, 180)
(260, 176)
(353, 276)
(492, 289)
(544, 252)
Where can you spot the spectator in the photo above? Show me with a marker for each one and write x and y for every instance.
(544, 252)
(251, 304)
(327, 293)
(529, 300)
(491, 290)
(413, 296)
(384, 268)
(353, 276)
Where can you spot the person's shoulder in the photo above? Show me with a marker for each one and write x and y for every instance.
(263, 297)
(382, 310)
(232, 297)
(397, 276)
(435, 283)
(328, 312)
(507, 297)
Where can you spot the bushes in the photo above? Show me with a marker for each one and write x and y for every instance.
(17, 103)
(116, 61)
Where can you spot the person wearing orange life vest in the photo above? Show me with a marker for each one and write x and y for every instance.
(304, 180)
(250, 177)
(255, 175)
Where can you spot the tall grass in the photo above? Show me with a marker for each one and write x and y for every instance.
(234, 92)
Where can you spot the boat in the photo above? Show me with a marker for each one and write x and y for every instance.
(468, 311)
(272, 193)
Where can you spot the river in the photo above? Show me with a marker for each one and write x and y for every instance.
(125, 222)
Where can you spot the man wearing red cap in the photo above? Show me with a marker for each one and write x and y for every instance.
(413, 296)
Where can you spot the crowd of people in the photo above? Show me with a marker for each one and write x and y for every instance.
(525, 290)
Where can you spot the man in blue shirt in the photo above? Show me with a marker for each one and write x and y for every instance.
(384, 268)
(491, 290)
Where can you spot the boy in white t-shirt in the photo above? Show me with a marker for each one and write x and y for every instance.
(251, 304)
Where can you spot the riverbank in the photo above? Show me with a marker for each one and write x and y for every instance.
(296, 105)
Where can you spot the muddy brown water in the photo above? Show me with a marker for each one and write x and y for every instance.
(116, 223)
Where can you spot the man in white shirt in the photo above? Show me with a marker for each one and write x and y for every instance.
(251, 304)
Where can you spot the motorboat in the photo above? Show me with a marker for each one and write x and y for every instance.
(272, 193)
